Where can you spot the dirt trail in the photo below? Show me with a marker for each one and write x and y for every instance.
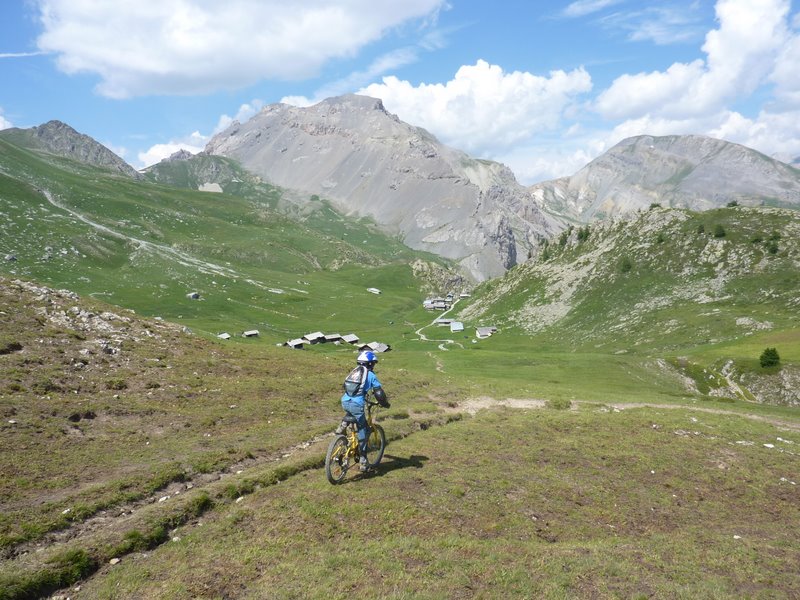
(473, 405)
(443, 343)
(121, 515)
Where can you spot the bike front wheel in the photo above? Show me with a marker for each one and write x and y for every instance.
(336, 460)
(376, 444)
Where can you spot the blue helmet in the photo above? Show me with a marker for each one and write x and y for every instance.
(367, 358)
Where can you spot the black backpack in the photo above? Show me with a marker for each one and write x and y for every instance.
(355, 382)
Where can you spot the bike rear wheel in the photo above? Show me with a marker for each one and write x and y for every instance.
(376, 444)
(336, 460)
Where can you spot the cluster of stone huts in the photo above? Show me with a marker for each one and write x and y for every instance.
(318, 337)
(457, 326)
(439, 303)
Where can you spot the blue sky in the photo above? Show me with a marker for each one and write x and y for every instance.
(543, 86)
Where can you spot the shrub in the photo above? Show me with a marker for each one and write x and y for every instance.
(9, 345)
(625, 264)
(45, 385)
(558, 404)
(61, 571)
(732, 204)
(116, 384)
(545, 255)
(772, 248)
(701, 228)
(769, 358)
(719, 231)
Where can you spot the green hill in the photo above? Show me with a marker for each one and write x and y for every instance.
(704, 290)
(145, 246)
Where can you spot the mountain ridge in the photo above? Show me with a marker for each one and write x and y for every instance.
(61, 139)
(681, 171)
(351, 151)
(370, 163)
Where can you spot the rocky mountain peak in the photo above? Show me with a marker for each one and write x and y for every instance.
(683, 171)
(368, 162)
(59, 138)
(177, 156)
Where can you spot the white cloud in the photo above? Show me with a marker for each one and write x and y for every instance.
(770, 133)
(120, 151)
(300, 101)
(245, 113)
(19, 54)
(786, 74)
(581, 8)
(739, 56)
(637, 95)
(4, 123)
(140, 47)
(357, 79)
(194, 143)
(541, 163)
(484, 110)
(661, 25)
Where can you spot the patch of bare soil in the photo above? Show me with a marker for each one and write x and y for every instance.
(473, 405)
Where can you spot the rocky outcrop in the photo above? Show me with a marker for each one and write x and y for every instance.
(181, 154)
(687, 171)
(59, 138)
(351, 151)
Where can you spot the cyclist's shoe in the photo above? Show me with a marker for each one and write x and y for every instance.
(341, 428)
(364, 466)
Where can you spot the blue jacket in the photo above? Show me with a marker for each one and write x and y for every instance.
(372, 382)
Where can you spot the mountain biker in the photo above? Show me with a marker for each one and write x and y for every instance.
(353, 403)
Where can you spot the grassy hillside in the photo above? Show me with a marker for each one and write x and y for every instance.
(587, 504)
(700, 290)
(194, 172)
(103, 413)
(145, 247)
(198, 464)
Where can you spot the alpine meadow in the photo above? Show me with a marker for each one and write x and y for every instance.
(594, 381)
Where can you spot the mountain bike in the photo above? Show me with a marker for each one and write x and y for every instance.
(343, 451)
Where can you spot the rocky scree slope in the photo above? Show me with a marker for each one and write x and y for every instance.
(682, 171)
(350, 150)
(60, 139)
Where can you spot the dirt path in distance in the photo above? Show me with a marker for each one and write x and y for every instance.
(473, 405)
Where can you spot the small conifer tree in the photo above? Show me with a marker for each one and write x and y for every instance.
(769, 358)
(719, 231)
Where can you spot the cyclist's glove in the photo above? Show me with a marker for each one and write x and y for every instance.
(380, 396)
